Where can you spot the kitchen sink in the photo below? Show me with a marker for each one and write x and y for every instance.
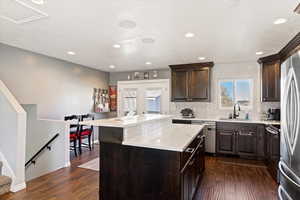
(224, 118)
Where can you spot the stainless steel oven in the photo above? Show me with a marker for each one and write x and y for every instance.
(210, 135)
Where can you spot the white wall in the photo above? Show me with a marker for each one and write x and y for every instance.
(247, 70)
(39, 132)
(12, 137)
(58, 87)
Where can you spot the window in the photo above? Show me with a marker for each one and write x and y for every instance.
(153, 101)
(130, 101)
(236, 91)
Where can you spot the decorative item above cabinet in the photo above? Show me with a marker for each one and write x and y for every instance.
(191, 82)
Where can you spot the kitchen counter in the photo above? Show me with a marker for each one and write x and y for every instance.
(173, 137)
(123, 122)
(149, 131)
(266, 122)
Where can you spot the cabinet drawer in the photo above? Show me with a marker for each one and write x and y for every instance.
(196, 144)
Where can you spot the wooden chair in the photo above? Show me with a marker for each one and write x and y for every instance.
(74, 130)
(86, 132)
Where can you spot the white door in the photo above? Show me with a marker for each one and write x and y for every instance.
(143, 97)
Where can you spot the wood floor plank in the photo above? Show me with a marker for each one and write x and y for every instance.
(221, 181)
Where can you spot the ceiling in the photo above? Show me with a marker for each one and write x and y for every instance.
(226, 31)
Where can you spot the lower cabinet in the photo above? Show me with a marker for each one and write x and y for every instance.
(241, 139)
(192, 169)
(138, 173)
(226, 141)
(273, 153)
(246, 139)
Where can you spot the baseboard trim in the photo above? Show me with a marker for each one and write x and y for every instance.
(18, 187)
(96, 142)
(68, 164)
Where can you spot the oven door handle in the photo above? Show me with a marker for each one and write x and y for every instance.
(282, 192)
(282, 168)
(270, 130)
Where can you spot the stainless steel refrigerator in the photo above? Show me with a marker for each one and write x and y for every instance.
(289, 165)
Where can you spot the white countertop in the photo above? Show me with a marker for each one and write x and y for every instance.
(173, 137)
(123, 122)
(231, 120)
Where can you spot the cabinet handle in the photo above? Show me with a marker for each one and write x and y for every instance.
(294, 179)
(227, 134)
(282, 192)
(245, 134)
(190, 150)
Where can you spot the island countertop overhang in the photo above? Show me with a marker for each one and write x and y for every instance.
(147, 131)
(175, 137)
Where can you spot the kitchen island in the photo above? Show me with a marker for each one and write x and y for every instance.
(147, 157)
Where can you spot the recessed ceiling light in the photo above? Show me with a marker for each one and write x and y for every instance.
(148, 63)
(71, 53)
(112, 66)
(127, 24)
(201, 58)
(259, 53)
(280, 21)
(39, 2)
(189, 35)
(117, 46)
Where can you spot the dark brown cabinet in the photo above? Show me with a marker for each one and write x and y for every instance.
(226, 141)
(246, 141)
(180, 84)
(191, 82)
(272, 152)
(243, 139)
(193, 168)
(199, 84)
(145, 173)
(270, 79)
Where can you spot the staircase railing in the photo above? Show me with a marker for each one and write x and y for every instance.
(46, 146)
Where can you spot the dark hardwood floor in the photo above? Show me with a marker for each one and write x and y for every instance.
(70, 183)
(222, 180)
(234, 179)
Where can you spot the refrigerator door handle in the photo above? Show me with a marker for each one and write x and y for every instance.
(294, 180)
(283, 193)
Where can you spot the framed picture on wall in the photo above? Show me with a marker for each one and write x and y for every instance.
(113, 97)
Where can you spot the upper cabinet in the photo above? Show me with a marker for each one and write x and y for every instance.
(191, 82)
(270, 68)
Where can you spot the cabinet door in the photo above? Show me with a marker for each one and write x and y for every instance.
(226, 141)
(246, 142)
(271, 81)
(179, 84)
(185, 185)
(199, 84)
(274, 148)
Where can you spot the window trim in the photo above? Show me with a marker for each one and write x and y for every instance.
(250, 107)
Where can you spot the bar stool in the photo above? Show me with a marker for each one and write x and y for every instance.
(74, 129)
(86, 132)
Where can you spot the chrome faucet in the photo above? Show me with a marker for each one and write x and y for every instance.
(235, 114)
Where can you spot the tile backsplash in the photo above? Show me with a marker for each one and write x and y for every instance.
(211, 110)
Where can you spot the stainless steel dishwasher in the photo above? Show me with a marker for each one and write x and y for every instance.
(210, 135)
